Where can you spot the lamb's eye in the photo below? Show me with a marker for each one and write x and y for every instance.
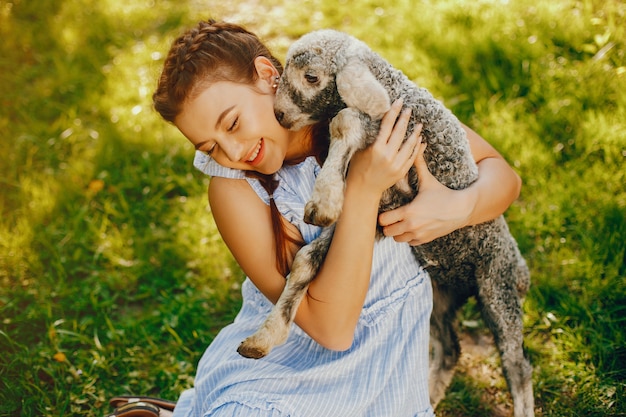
(311, 78)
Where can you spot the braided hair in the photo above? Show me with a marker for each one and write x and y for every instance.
(219, 51)
(211, 52)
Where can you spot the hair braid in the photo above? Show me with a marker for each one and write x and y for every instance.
(210, 52)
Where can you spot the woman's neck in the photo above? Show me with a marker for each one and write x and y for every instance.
(300, 146)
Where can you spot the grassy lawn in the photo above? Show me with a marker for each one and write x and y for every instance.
(113, 278)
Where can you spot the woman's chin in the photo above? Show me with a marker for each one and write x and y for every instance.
(268, 169)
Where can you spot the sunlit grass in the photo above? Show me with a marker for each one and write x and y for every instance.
(113, 276)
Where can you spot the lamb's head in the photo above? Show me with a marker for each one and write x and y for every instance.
(326, 71)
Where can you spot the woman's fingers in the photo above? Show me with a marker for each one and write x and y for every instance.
(389, 120)
(394, 155)
(410, 149)
(425, 177)
(399, 129)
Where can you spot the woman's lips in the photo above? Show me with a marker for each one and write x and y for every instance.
(256, 155)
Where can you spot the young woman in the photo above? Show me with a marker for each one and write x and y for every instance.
(360, 347)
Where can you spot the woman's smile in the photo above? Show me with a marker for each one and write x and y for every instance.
(235, 124)
(255, 156)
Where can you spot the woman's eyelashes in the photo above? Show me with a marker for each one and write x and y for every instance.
(213, 145)
(234, 124)
(210, 150)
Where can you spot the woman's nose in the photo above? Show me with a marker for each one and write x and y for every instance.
(234, 149)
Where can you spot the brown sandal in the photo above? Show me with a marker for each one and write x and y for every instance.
(133, 406)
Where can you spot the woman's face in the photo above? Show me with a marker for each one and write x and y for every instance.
(235, 124)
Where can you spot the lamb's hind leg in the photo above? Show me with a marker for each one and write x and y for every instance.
(347, 136)
(445, 348)
(502, 311)
(275, 330)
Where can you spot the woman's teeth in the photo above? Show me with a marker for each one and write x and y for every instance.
(256, 151)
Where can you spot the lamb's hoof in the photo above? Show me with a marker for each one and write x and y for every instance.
(312, 215)
(257, 345)
(251, 352)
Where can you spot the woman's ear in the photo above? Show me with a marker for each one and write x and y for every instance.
(265, 70)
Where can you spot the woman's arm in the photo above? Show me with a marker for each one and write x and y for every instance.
(335, 297)
(245, 224)
(337, 294)
(331, 308)
(438, 210)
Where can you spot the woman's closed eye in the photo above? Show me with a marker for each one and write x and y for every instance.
(234, 124)
(209, 150)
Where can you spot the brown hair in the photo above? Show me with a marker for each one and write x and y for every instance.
(211, 52)
(219, 51)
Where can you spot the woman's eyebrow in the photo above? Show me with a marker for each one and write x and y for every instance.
(221, 116)
(217, 125)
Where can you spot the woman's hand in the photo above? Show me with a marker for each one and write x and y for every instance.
(436, 210)
(388, 159)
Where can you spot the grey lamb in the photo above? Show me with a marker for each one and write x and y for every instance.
(330, 75)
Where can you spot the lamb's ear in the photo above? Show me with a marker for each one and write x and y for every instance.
(358, 88)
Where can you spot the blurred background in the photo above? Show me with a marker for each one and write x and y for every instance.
(113, 278)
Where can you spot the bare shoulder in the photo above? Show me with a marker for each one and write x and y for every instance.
(240, 215)
(245, 224)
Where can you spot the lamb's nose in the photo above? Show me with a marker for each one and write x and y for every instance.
(279, 115)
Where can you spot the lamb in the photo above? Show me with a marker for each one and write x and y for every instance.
(330, 75)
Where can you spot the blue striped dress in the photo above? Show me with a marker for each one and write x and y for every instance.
(383, 374)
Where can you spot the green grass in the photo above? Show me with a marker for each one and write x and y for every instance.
(113, 278)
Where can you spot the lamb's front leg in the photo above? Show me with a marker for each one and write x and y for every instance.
(275, 330)
(346, 137)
